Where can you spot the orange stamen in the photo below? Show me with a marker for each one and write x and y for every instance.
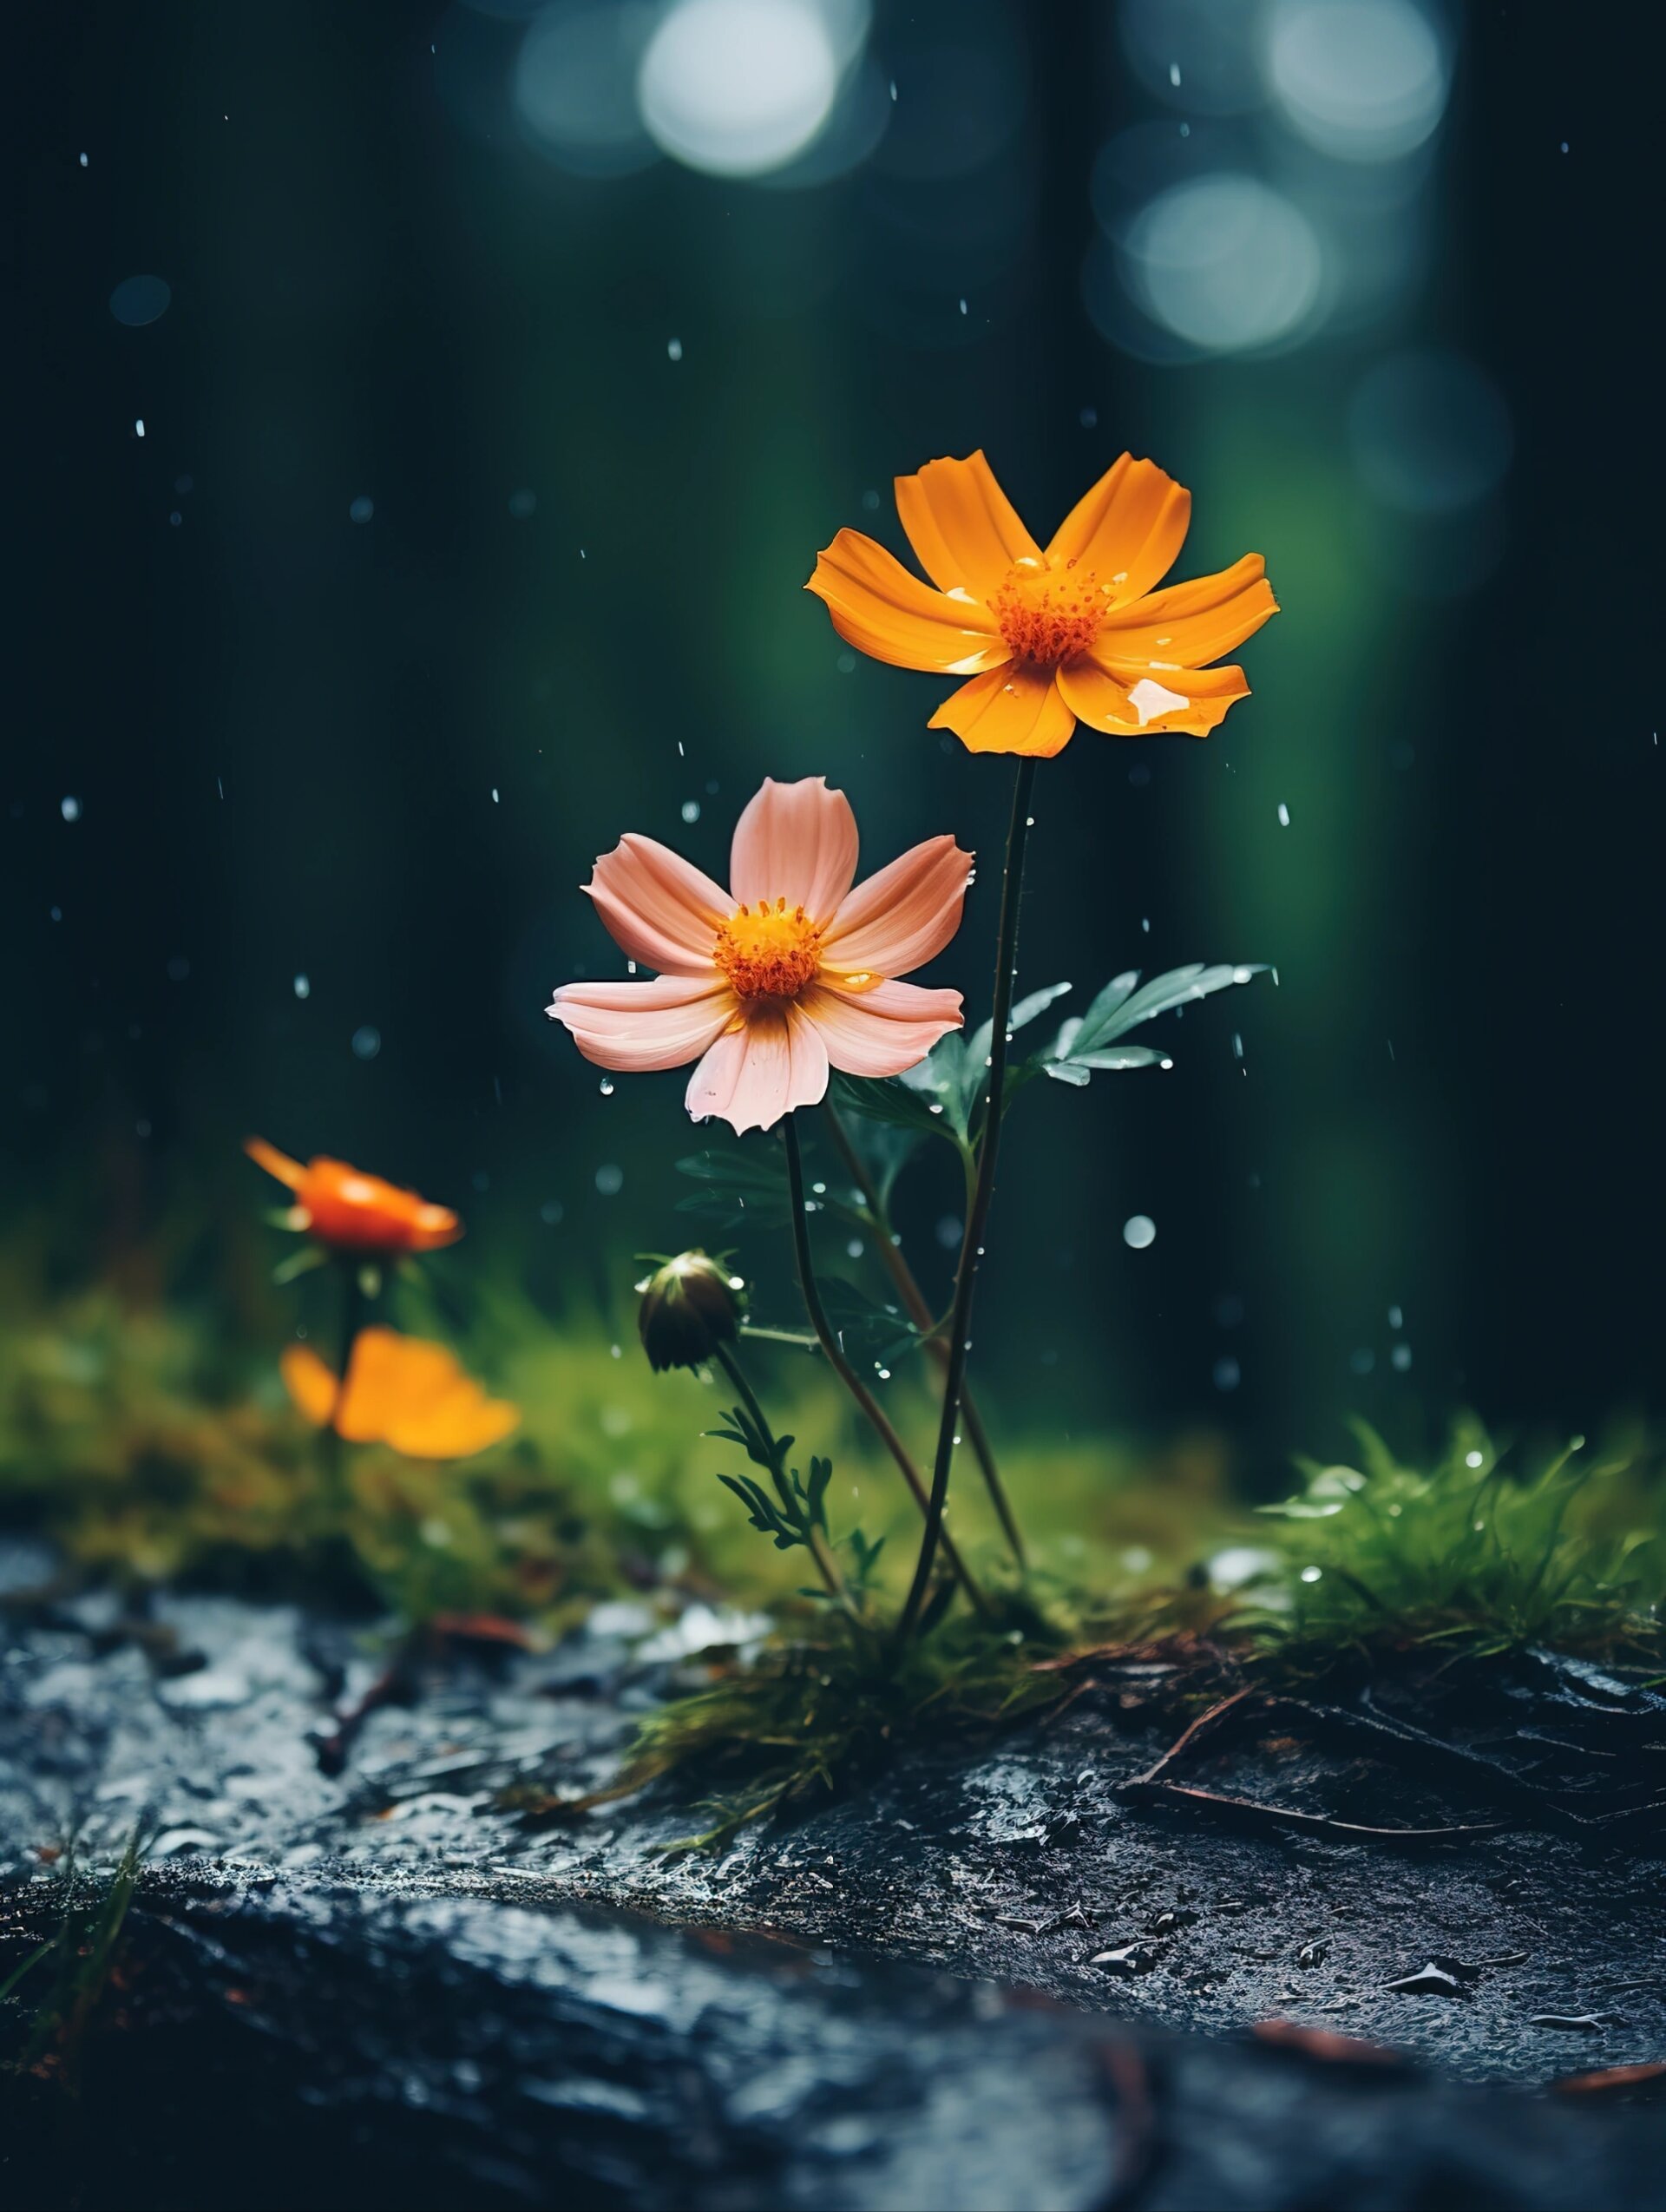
(771, 953)
(1049, 610)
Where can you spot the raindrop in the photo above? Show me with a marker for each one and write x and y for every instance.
(367, 1041)
(1227, 1374)
(1396, 1318)
(853, 1248)
(610, 1180)
(138, 427)
(362, 509)
(1283, 815)
(496, 801)
(691, 810)
(551, 1212)
(949, 1232)
(1138, 1231)
(303, 987)
(70, 809)
(605, 1086)
(1473, 1459)
(1312, 1574)
(84, 159)
(1401, 1356)
(674, 349)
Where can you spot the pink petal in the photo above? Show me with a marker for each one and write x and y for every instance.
(901, 917)
(754, 1074)
(796, 842)
(882, 1030)
(633, 1026)
(657, 907)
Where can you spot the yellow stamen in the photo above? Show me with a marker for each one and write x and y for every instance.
(1050, 610)
(772, 954)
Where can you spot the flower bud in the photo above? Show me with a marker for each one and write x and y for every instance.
(690, 1306)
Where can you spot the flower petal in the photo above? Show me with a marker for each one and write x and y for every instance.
(658, 908)
(962, 526)
(890, 615)
(634, 1027)
(796, 842)
(882, 1030)
(1128, 529)
(1190, 624)
(900, 916)
(769, 1063)
(309, 1382)
(1190, 702)
(462, 1422)
(275, 1163)
(1015, 709)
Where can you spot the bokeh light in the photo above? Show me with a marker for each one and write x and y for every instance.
(1225, 263)
(1200, 56)
(1360, 80)
(139, 300)
(737, 87)
(1429, 432)
(575, 88)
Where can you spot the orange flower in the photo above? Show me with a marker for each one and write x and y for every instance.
(353, 1212)
(402, 1391)
(1078, 633)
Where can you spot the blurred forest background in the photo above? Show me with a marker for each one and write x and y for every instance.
(424, 419)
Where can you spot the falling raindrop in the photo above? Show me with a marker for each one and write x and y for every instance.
(1283, 815)
(674, 349)
(610, 1180)
(367, 1043)
(1401, 1356)
(605, 1086)
(1313, 1574)
(1138, 1231)
(70, 809)
(1227, 1374)
(303, 987)
(1473, 1459)
(691, 810)
(361, 510)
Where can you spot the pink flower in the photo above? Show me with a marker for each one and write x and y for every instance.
(788, 975)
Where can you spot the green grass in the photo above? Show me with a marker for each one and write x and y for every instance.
(1481, 1550)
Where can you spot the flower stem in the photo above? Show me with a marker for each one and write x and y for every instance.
(920, 1313)
(842, 1367)
(353, 1321)
(826, 1565)
(965, 1275)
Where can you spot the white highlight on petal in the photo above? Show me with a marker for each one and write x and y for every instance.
(1149, 698)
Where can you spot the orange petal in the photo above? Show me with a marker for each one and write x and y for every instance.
(309, 1382)
(635, 1026)
(962, 526)
(657, 907)
(901, 917)
(884, 612)
(1190, 624)
(275, 1163)
(1189, 702)
(463, 1422)
(1015, 709)
(1128, 529)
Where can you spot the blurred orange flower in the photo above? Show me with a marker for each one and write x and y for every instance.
(353, 1212)
(1078, 633)
(402, 1391)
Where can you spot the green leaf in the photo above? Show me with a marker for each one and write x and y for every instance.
(982, 1038)
(1085, 1046)
(738, 1185)
(867, 1328)
(821, 1474)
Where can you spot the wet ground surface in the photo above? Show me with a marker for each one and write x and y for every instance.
(988, 1955)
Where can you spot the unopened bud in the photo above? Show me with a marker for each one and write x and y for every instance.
(690, 1306)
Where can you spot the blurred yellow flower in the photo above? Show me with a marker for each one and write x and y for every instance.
(1078, 633)
(402, 1391)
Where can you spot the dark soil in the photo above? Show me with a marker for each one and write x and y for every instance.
(992, 1976)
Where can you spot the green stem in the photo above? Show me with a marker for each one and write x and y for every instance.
(842, 1367)
(353, 1321)
(826, 1565)
(965, 1275)
(924, 1320)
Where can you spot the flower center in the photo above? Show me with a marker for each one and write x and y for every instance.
(768, 952)
(1050, 610)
